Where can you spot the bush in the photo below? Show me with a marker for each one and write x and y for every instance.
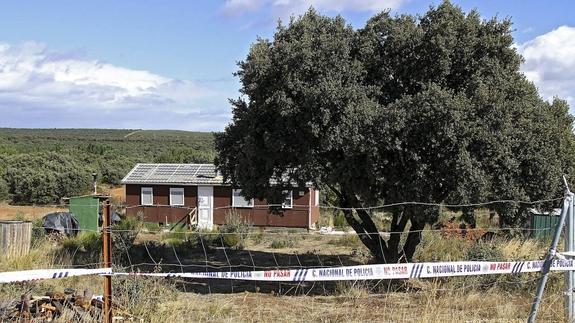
(144, 296)
(484, 251)
(283, 243)
(4, 193)
(44, 178)
(179, 236)
(85, 248)
(257, 237)
(435, 247)
(85, 241)
(339, 221)
(348, 240)
(236, 230)
(124, 234)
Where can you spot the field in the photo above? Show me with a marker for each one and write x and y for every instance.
(11, 212)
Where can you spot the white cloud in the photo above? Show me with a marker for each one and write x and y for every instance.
(239, 7)
(285, 8)
(550, 63)
(42, 88)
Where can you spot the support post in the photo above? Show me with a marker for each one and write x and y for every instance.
(107, 244)
(569, 248)
(566, 210)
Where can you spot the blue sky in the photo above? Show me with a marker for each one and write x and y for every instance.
(169, 64)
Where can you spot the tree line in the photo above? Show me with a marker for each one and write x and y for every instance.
(40, 166)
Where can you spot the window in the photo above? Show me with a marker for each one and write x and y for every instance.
(176, 196)
(316, 197)
(239, 201)
(288, 200)
(147, 196)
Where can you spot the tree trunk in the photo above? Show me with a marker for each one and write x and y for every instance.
(413, 239)
(370, 237)
(398, 223)
(368, 233)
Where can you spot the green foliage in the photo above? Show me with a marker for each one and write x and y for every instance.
(429, 108)
(44, 178)
(436, 248)
(84, 248)
(283, 243)
(339, 221)
(124, 235)
(4, 190)
(347, 240)
(235, 231)
(41, 166)
(179, 236)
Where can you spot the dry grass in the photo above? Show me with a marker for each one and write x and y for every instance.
(428, 306)
(11, 212)
(507, 298)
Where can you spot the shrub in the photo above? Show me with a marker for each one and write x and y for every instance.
(339, 221)
(4, 193)
(124, 234)
(82, 249)
(143, 295)
(178, 236)
(484, 251)
(348, 240)
(257, 237)
(283, 243)
(236, 230)
(435, 247)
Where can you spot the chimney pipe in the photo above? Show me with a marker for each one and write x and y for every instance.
(94, 177)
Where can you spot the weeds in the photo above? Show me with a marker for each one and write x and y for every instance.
(236, 230)
(283, 243)
(348, 240)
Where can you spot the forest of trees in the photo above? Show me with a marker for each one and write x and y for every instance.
(40, 166)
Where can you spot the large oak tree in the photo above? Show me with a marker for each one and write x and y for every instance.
(430, 109)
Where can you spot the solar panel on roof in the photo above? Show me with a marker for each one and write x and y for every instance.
(173, 173)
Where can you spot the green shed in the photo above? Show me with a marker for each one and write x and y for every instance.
(86, 209)
(542, 224)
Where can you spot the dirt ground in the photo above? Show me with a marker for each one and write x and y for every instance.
(14, 212)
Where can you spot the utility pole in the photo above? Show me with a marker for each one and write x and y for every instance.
(107, 242)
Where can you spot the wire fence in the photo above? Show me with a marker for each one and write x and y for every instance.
(142, 250)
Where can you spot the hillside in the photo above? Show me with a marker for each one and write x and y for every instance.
(42, 165)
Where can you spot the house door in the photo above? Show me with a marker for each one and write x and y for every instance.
(205, 207)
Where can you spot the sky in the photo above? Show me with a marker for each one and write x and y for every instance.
(151, 64)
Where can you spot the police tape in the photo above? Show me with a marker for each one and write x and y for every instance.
(360, 272)
(376, 272)
(40, 274)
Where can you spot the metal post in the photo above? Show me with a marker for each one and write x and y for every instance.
(567, 205)
(569, 248)
(107, 242)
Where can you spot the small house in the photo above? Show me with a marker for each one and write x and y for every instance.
(170, 193)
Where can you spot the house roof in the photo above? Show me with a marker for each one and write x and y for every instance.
(175, 174)
(180, 174)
